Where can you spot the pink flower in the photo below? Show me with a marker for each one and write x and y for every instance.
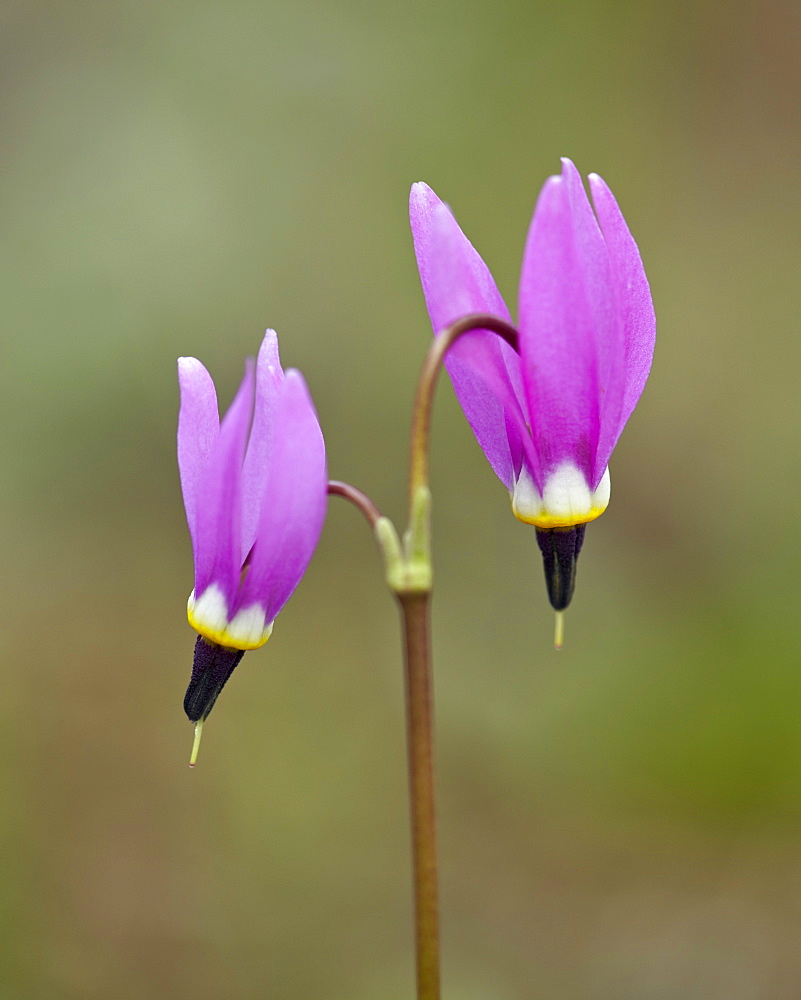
(254, 489)
(549, 417)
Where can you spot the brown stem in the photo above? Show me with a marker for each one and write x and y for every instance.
(427, 383)
(415, 600)
(357, 498)
(415, 607)
(420, 741)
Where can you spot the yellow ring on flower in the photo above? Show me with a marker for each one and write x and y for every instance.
(546, 522)
(566, 500)
(208, 615)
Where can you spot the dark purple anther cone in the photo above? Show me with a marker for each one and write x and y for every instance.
(560, 548)
(212, 667)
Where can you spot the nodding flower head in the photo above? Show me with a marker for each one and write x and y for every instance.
(254, 488)
(548, 417)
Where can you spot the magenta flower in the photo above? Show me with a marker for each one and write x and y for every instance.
(254, 489)
(549, 417)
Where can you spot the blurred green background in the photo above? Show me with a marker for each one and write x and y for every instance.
(619, 821)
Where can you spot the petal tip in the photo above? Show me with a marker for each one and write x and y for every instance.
(294, 376)
(598, 185)
(568, 167)
(296, 394)
(422, 199)
(268, 351)
(570, 172)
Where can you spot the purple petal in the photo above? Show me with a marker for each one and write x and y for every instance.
(294, 504)
(198, 429)
(571, 340)
(484, 370)
(219, 500)
(635, 306)
(269, 377)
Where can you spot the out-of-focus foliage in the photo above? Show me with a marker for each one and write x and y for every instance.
(618, 821)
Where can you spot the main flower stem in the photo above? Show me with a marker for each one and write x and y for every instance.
(409, 575)
(415, 603)
(420, 743)
(414, 606)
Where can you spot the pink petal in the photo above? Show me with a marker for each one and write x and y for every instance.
(294, 503)
(198, 429)
(219, 499)
(484, 370)
(571, 340)
(269, 377)
(635, 307)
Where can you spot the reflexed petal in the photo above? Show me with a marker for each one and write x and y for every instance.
(484, 370)
(571, 340)
(269, 376)
(635, 306)
(219, 500)
(198, 428)
(294, 504)
(458, 283)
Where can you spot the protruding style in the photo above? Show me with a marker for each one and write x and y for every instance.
(255, 492)
(549, 417)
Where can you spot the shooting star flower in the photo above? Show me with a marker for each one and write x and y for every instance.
(254, 488)
(549, 417)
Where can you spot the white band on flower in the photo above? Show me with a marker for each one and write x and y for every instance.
(208, 615)
(567, 499)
